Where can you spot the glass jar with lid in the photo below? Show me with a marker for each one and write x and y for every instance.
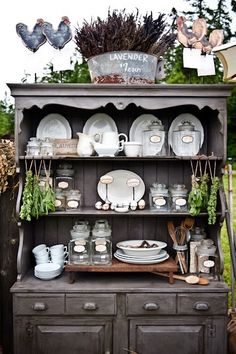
(206, 257)
(101, 245)
(64, 177)
(73, 197)
(80, 230)
(159, 197)
(178, 194)
(47, 147)
(33, 147)
(79, 247)
(186, 141)
(60, 200)
(154, 139)
(197, 235)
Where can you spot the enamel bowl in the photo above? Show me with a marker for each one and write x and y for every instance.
(134, 247)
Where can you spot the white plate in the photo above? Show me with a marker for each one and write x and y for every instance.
(132, 261)
(121, 254)
(185, 117)
(47, 267)
(99, 123)
(139, 125)
(128, 247)
(118, 192)
(54, 126)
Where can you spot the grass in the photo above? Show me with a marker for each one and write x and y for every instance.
(224, 236)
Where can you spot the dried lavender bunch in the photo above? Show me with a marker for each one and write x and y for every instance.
(122, 31)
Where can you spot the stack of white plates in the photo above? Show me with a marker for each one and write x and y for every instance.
(47, 271)
(154, 259)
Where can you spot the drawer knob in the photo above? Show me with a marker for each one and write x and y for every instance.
(151, 306)
(39, 306)
(201, 306)
(90, 306)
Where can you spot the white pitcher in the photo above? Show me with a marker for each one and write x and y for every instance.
(85, 145)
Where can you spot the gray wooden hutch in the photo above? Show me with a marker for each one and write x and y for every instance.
(113, 313)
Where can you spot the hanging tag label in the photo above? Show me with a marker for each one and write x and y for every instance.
(191, 58)
(206, 65)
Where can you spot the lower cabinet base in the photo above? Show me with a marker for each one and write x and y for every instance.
(116, 318)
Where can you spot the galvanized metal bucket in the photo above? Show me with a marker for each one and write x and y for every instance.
(127, 67)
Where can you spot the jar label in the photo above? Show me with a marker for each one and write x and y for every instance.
(63, 185)
(155, 139)
(209, 263)
(187, 139)
(80, 242)
(58, 203)
(100, 248)
(180, 201)
(73, 204)
(159, 201)
(79, 249)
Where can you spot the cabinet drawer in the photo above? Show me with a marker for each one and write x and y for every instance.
(91, 304)
(39, 304)
(196, 304)
(151, 304)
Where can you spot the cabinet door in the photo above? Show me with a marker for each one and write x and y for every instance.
(176, 335)
(72, 336)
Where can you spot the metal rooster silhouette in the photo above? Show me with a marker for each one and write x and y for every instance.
(59, 38)
(196, 38)
(32, 40)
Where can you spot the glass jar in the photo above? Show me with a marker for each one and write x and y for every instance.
(73, 199)
(197, 235)
(178, 194)
(80, 230)
(159, 197)
(33, 147)
(154, 139)
(47, 147)
(64, 177)
(79, 251)
(206, 256)
(60, 200)
(101, 245)
(186, 140)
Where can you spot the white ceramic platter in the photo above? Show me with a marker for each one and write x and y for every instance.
(142, 261)
(131, 247)
(99, 123)
(54, 126)
(139, 125)
(121, 254)
(118, 192)
(185, 117)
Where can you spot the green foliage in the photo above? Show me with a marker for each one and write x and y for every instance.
(231, 109)
(79, 74)
(6, 119)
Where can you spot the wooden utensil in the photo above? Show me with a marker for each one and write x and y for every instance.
(190, 279)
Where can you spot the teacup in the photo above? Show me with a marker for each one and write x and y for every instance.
(132, 148)
(40, 250)
(59, 249)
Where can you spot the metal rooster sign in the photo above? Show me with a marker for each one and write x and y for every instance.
(43, 32)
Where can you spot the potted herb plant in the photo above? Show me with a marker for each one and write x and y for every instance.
(124, 48)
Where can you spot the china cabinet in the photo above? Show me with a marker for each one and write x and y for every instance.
(117, 311)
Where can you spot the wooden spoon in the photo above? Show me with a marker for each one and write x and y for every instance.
(190, 279)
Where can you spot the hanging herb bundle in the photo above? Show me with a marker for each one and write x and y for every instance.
(48, 195)
(26, 207)
(198, 196)
(37, 194)
(212, 202)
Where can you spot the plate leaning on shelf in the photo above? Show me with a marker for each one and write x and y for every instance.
(139, 125)
(54, 126)
(183, 117)
(119, 192)
(99, 123)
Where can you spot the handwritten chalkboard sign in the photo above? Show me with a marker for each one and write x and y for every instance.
(123, 67)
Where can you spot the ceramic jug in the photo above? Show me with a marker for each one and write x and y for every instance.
(85, 145)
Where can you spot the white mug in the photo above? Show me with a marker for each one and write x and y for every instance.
(111, 138)
(58, 249)
(132, 148)
(40, 249)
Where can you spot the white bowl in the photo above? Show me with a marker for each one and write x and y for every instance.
(105, 150)
(132, 247)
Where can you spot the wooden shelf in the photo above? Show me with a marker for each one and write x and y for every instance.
(121, 158)
(169, 266)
